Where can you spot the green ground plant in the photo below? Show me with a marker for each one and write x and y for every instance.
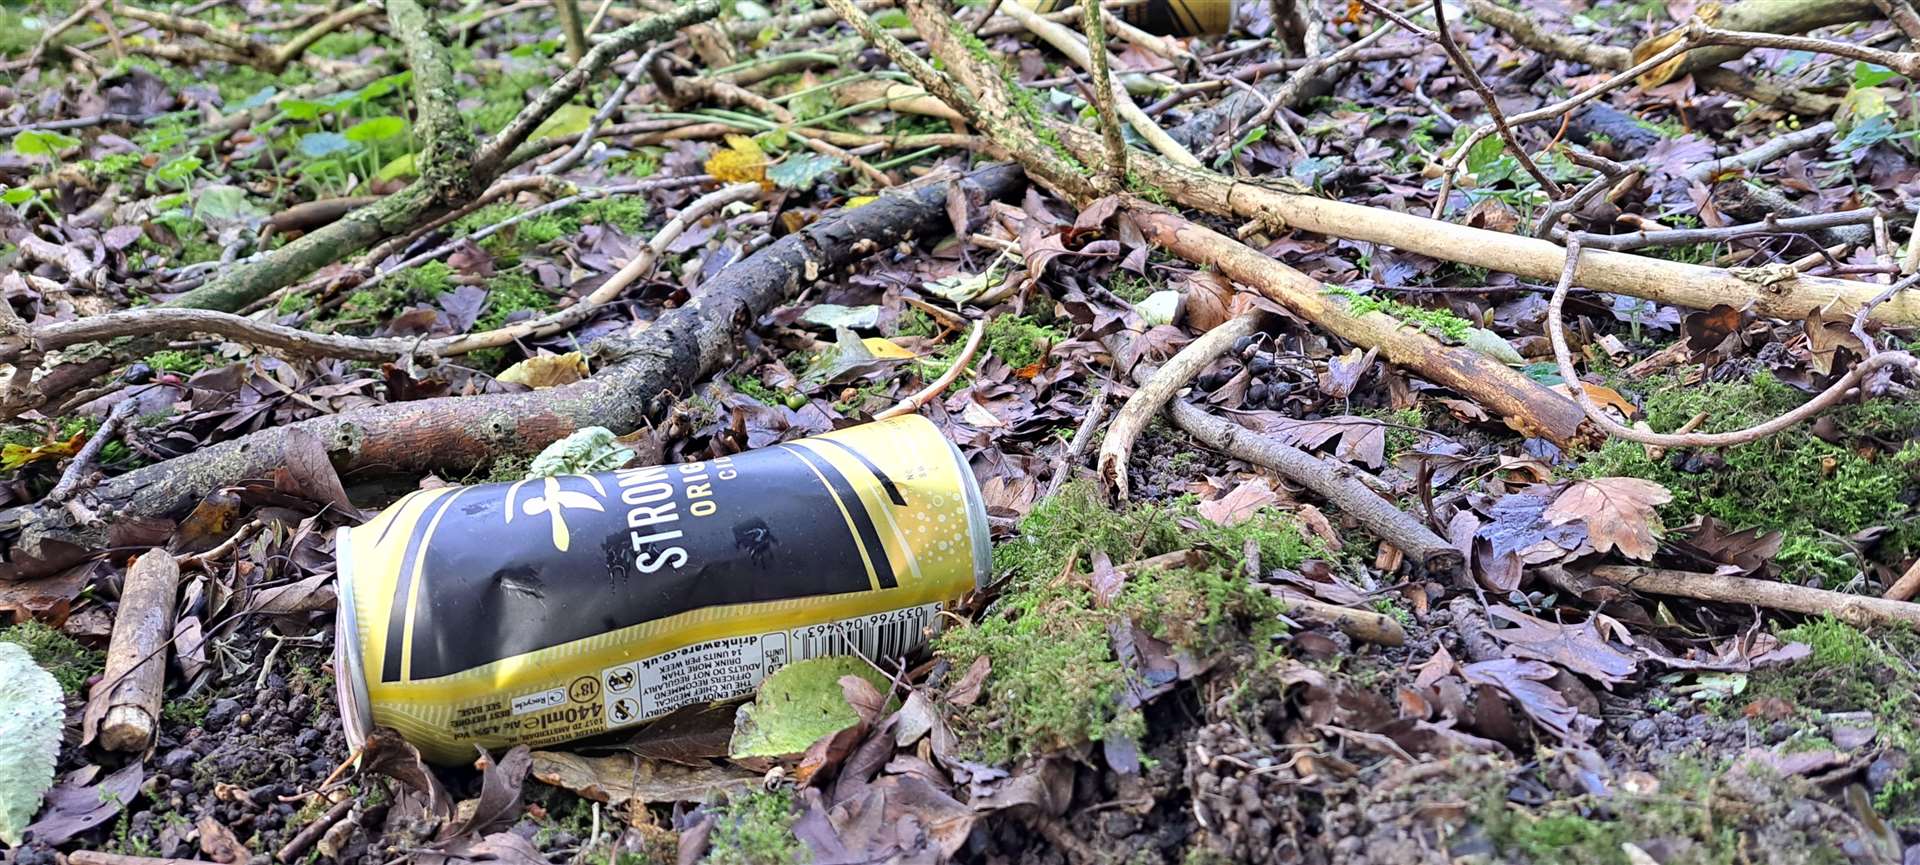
(1055, 678)
(1816, 492)
(756, 828)
(70, 663)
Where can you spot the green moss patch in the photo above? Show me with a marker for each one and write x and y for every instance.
(756, 828)
(1019, 340)
(70, 663)
(1853, 671)
(1814, 491)
(1055, 678)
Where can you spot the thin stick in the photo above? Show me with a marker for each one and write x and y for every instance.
(1115, 171)
(1096, 412)
(83, 461)
(1492, 103)
(157, 319)
(1556, 333)
(607, 108)
(926, 394)
(310, 833)
(1904, 62)
(1116, 450)
(1765, 153)
(1296, 84)
(1856, 610)
(1907, 586)
(1685, 236)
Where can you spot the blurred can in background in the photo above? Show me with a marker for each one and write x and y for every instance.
(557, 608)
(1163, 17)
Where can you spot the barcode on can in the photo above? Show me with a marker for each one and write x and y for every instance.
(881, 635)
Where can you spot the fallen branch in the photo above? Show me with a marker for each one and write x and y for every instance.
(451, 171)
(123, 710)
(1726, 234)
(82, 465)
(1525, 404)
(1364, 625)
(1856, 610)
(1116, 449)
(1333, 482)
(1063, 471)
(926, 394)
(1907, 586)
(638, 378)
(1562, 355)
(160, 319)
(1489, 101)
(1747, 161)
(1766, 19)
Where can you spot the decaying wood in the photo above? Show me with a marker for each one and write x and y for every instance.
(124, 709)
(1525, 404)
(1761, 16)
(1907, 586)
(1856, 610)
(640, 377)
(1364, 625)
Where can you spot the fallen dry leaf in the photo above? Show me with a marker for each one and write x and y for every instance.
(1239, 503)
(1618, 512)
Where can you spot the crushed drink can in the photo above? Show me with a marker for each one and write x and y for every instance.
(557, 608)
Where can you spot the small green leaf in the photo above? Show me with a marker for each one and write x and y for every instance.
(833, 316)
(797, 705)
(302, 109)
(321, 144)
(260, 97)
(568, 120)
(41, 142)
(801, 171)
(31, 713)
(220, 207)
(177, 170)
(396, 168)
(383, 86)
(1869, 75)
(750, 11)
(17, 197)
(377, 129)
(1492, 345)
(892, 19)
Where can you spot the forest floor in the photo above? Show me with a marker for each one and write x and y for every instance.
(1080, 708)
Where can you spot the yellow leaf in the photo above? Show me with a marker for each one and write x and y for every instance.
(396, 168)
(14, 456)
(861, 201)
(741, 161)
(882, 347)
(547, 370)
(568, 120)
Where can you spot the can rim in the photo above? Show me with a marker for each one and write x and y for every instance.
(349, 679)
(976, 505)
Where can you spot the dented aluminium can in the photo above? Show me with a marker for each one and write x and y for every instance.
(557, 608)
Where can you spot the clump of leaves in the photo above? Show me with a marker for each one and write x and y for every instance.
(1797, 483)
(1055, 678)
(756, 828)
(70, 663)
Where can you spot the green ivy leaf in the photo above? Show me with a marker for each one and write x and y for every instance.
(42, 142)
(797, 705)
(383, 86)
(177, 170)
(377, 129)
(220, 207)
(801, 171)
(31, 713)
(17, 197)
(302, 109)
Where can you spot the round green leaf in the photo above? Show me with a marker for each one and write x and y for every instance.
(377, 129)
(320, 144)
(42, 142)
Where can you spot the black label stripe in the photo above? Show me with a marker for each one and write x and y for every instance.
(886, 483)
(856, 511)
(397, 611)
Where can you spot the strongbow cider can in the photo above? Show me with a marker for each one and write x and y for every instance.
(557, 608)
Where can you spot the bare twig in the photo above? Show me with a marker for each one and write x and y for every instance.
(1492, 102)
(77, 470)
(1063, 471)
(1726, 234)
(926, 394)
(1904, 62)
(1768, 151)
(1907, 586)
(1857, 610)
(607, 108)
(310, 833)
(1114, 173)
(1116, 449)
(1556, 333)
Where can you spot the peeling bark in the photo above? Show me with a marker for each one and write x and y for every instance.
(641, 378)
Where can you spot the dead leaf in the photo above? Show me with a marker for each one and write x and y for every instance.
(312, 595)
(547, 370)
(620, 779)
(1581, 648)
(1240, 503)
(387, 753)
(1618, 513)
(967, 691)
(309, 473)
(499, 802)
(741, 161)
(219, 842)
(75, 804)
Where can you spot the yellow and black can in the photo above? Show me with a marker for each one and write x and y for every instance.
(556, 608)
(1162, 17)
